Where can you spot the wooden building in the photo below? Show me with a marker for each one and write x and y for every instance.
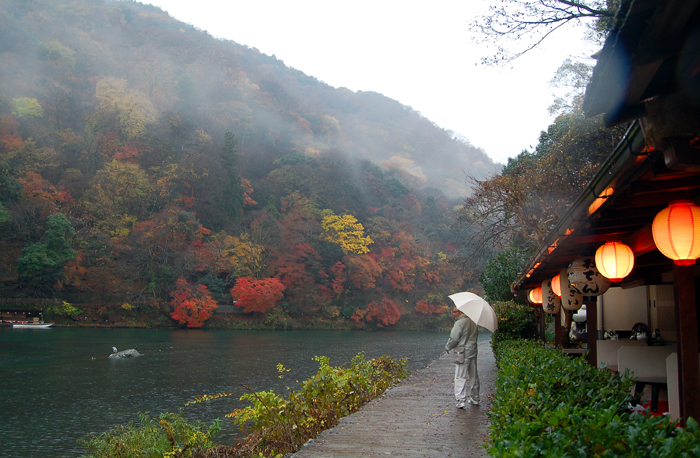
(648, 72)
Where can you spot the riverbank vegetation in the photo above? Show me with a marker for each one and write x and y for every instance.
(168, 434)
(151, 175)
(272, 424)
(547, 404)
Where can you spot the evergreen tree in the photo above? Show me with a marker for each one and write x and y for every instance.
(232, 201)
(41, 264)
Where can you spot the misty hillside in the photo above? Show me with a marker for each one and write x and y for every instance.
(62, 50)
(151, 174)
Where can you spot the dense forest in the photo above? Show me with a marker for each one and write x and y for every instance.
(150, 174)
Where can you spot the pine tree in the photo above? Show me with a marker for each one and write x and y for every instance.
(233, 195)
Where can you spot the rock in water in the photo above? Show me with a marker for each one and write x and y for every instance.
(132, 353)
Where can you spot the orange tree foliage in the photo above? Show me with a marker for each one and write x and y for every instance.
(193, 304)
(42, 194)
(425, 308)
(402, 262)
(257, 295)
(363, 270)
(384, 314)
(9, 137)
(335, 285)
(296, 267)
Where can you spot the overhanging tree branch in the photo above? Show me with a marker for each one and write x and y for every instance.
(524, 22)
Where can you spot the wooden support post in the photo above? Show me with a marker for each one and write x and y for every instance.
(687, 336)
(592, 328)
(557, 329)
(566, 329)
(543, 325)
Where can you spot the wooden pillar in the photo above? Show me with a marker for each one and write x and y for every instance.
(566, 329)
(557, 329)
(592, 328)
(687, 336)
(543, 325)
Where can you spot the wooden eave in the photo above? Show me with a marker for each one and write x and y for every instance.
(651, 52)
(642, 186)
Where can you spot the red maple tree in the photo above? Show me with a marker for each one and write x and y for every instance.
(257, 295)
(193, 304)
(426, 308)
(385, 314)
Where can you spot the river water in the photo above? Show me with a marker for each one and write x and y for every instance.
(58, 384)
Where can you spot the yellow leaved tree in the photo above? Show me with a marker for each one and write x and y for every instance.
(129, 109)
(346, 232)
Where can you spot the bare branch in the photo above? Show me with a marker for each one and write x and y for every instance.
(527, 21)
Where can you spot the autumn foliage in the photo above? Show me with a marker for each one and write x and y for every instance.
(384, 314)
(257, 295)
(426, 308)
(192, 303)
(220, 172)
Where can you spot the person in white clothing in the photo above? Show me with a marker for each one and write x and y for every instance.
(463, 338)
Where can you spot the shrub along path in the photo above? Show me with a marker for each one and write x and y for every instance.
(415, 419)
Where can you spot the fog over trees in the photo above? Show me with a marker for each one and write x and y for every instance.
(185, 167)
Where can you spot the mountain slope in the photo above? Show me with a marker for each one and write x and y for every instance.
(150, 173)
(218, 86)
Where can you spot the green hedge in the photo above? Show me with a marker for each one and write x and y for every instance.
(515, 321)
(547, 404)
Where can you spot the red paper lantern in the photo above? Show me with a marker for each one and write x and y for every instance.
(614, 260)
(535, 295)
(676, 232)
(556, 284)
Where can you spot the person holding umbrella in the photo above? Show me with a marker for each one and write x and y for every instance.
(472, 311)
(463, 339)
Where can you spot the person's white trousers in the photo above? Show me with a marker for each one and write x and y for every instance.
(462, 371)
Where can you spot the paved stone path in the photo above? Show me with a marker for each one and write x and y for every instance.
(415, 419)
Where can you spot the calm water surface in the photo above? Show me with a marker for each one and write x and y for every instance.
(58, 384)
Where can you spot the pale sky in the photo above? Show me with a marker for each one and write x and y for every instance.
(419, 53)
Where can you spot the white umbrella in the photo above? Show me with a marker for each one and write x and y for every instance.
(477, 309)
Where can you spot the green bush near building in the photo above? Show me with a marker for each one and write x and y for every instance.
(547, 404)
(515, 321)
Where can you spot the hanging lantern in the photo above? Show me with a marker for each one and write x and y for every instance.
(614, 260)
(535, 295)
(570, 298)
(556, 286)
(676, 231)
(585, 278)
(550, 301)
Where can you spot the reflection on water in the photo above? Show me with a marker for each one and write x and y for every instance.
(58, 384)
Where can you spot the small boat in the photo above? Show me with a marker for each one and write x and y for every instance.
(36, 324)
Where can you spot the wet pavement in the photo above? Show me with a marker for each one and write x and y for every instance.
(415, 419)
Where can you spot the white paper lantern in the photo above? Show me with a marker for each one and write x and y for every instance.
(550, 301)
(585, 278)
(570, 298)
